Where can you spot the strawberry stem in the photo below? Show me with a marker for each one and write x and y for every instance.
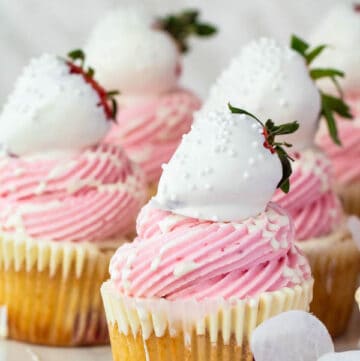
(270, 131)
(88, 75)
(183, 25)
(330, 105)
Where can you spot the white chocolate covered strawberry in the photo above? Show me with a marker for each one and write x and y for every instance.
(56, 107)
(192, 183)
(141, 56)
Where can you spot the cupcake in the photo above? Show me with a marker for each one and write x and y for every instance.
(66, 203)
(341, 29)
(212, 258)
(141, 56)
(282, 87)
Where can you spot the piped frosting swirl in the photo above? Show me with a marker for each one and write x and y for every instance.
(177, 257)
(311, 202)
(151, 129)
(91, 196)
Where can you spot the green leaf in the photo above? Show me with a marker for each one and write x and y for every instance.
(325, 73)
(284, 183)
(112, 93)
(205, 30)
(77, 54)
(183, 25)
(114, 108)
(271, 130)
(287, 128)
(299, 45)
(313, 54)
(235, 110)
(90, 72)
(330, 120)
(336, 105)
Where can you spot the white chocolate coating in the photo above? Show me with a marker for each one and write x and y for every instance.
(132, 56)
(340, 29)
(271, 81)
(52, 111)
(221, 170)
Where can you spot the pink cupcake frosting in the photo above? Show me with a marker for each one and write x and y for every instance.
(345, 158)
(151, 130)
(90, 196)
(176, 257)
(311, 202)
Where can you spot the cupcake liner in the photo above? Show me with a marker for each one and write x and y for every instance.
(350, 196)
(51, 291)
(152, 190)
(335, 265)
(357, 297)
(211, 330)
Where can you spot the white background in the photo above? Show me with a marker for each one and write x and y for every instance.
(30, 27)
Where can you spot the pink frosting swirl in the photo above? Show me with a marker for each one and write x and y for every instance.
(92, 196)
(311, 202)
(345, 158)
(176, 257)
(151, 131)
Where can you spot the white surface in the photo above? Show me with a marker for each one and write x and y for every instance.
(30, 27)
(13, 351)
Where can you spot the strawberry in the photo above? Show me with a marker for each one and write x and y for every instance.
(88, 75)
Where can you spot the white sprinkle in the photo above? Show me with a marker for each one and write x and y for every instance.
(155, 264)
(208, 187)
(246, 175)
(284, 244)
(251, 161)
(288, 272)
(275, 244)
(183, 268)
(18, 172)
(40, 188)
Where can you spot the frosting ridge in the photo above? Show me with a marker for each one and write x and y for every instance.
(176, 257)
(311, 202)
(91, 196)
(151, 130)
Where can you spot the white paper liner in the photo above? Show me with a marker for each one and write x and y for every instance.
(19, 251)
(357, 296)
(225, 317)
(335, 263)
(3, 322)
(350, 196)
